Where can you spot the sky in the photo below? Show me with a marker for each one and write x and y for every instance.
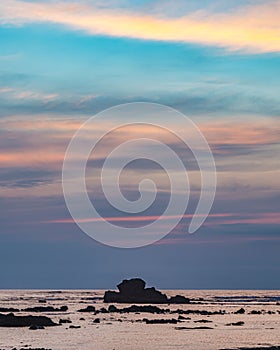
(217, 62)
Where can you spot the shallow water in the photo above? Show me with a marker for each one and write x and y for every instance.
(123, 332)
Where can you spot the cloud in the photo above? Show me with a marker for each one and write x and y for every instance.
(214, 219)
(245, 154)
(19, 94)
(254, 28)
(18, 99)
(250, 219)
(26, 178)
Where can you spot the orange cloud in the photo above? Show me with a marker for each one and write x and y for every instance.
(254, 219)
(136, 218)
(254, 28)
(44, 139)
(242, 132)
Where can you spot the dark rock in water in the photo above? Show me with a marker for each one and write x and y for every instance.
(179, 299)
(180, 317)
(42, 301)
(134, 291)
(138, 309)
(240, 311)
(199, 312)
(239, 323)
(97, 320)
(132, 286)
(255, 312)
(113, 308)
(88, 309)
(103, 310)
(8, 309)
(61, 321)
(45, 309)
(203, 321)
(11, 320)
(34, 327)
(74, 327)
(25, 348)
(161, 321)
(190, 328)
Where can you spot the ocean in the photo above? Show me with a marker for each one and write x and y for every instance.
(209, 322)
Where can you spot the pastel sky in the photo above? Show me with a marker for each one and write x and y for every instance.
(216, 61)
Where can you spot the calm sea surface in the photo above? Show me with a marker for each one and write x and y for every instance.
(128, 331)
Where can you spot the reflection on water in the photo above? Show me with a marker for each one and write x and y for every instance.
(128, 331)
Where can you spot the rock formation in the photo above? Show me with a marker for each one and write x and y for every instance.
(134, 291)
(11, 320)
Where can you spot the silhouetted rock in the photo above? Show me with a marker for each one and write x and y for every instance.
(138, 309)
(46, 309)
(239, 323)
(190, 328)
(61, 321)
(179, 299)
(255, 312)
(113, 308)
(11, 320)
(88, 309)
(180, 317)
(8, 309)
(133, 286)
(103, 310)
(134, 291)
(74, 327)
(97, 320)
(34, 327)
(240, 311)
(200, 312)
(161, 321)
(25, 348)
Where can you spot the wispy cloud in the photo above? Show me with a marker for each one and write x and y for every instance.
(20, 94)
(39, 142)
(254, 28)
(137, 219)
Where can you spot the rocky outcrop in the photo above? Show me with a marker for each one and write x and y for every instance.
(161, 321)
(8, 309)
(89, 308)
(179, 299)
(240, 311)
(11, 320)
(134, 291)
(46, 309)
(139, 309)
(239, 323)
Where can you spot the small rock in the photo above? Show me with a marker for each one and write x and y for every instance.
(64, 321)
(34, 327)
(240, 311)
(239, 323)
(88, 309)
